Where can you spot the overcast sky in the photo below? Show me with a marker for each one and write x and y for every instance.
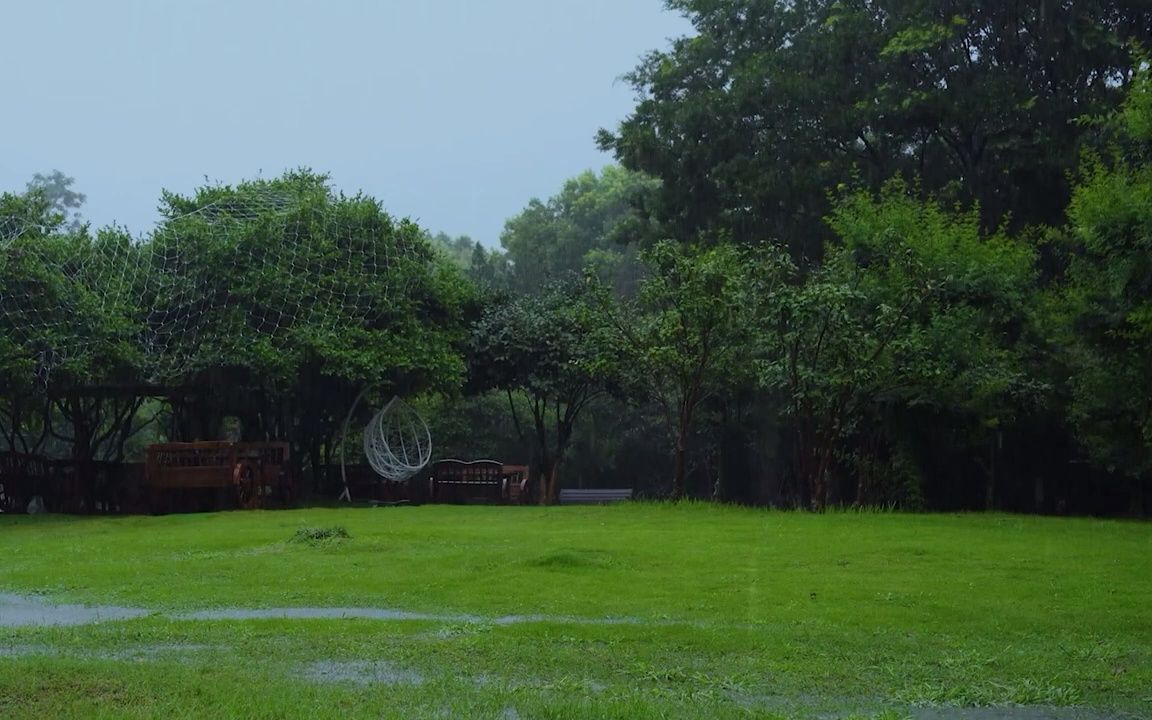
(452, 112)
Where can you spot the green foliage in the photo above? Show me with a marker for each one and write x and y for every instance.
(913, 306)
(684, 338)
(488, 268)
(750, 120)
(58, 312)
(550, 347)
(586, 223)
(1107, 301)
(271, 275)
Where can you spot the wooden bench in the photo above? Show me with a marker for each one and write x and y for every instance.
(253, 473)
(475, 481)
(594, 497)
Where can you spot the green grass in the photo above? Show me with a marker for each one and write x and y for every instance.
(727, 612)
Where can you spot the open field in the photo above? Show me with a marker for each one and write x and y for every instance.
(628, 611)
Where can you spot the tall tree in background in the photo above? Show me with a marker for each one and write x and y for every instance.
(488, 267)
(56, 188)
(583, 224)
(749, 122)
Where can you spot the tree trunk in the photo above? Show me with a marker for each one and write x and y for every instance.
(678, 481)
(554, 483)
(990, 481)
(541, 482)
(82, 454)
(820, 480)
(1136, 498)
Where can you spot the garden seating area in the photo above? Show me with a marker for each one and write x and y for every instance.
(477, 481)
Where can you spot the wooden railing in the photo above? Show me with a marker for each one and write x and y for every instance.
(254, 474)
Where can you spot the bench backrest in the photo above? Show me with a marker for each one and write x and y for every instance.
(467, 471)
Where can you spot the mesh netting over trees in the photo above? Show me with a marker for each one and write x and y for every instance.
(258, 275)
(274, 301)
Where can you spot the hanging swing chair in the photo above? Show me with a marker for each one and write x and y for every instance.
(397, 443)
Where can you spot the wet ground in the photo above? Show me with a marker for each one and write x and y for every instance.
(21, 610)
(360, 673)
(29, 610)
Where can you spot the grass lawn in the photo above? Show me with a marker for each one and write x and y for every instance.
(627, 611)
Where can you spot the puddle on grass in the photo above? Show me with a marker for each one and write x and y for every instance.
(22, 610)
(1006, 712)
(320, 613)
(19, 651)
(360, 673)
(838, 708)
(157, 651)
(367, 613)
(138, 653)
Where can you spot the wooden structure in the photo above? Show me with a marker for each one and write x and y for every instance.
(246, 475)
(594, 497)
(476, 481)
(113, 487)
(517, 483)
(21, 478)
(365, 485)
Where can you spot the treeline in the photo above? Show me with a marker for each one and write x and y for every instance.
(884, 254)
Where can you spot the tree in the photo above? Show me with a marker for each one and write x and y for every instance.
(66, 330)
(274, 301)
(1107, 300)
(278, 301)
(487, 267)
(750, 121)
(585, 223)
(547, 347)
(56, 188)
(684, 339)
(913, 306)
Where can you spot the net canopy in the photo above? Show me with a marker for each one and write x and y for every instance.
(262, 275)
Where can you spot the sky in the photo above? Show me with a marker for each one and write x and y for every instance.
(454, 113)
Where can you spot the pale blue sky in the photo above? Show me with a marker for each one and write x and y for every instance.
(452, 112)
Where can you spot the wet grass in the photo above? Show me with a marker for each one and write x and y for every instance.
(713, 612)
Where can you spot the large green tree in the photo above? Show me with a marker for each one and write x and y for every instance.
(548, 348)
(684, 338)
(914, 306)
(1107, 327)
(769, 104)
(278, 300)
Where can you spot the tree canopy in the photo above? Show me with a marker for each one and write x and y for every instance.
(749, 122)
